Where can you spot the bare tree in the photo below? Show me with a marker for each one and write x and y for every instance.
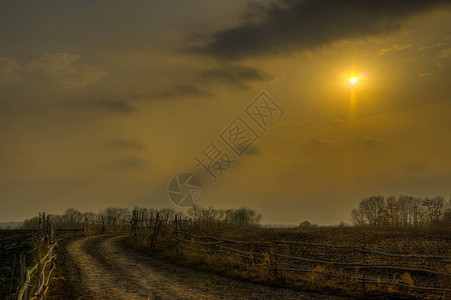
(403, 210)
(32, 223)
(373, 209)
(305, 224)
(392, 211)
(435, 208)
(414, 210)
(357, 217)
(73, 219)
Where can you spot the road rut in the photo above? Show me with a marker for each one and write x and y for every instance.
(104, 269)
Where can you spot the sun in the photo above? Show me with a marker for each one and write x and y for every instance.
(353, 80)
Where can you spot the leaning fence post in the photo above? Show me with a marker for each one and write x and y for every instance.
(154, 232)
(363, 262)
(39, 225)
(86, 223)
(40, 268)
(43, 224)
(176, 240)
(218, 229)
(134, 223)
(51, 243)
(275, 249)
(12, 274)
(22, 268)
(142, 219)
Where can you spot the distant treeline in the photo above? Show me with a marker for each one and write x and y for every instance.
(119, 219)
(403, 211)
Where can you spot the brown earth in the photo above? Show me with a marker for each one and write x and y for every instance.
(101, 267)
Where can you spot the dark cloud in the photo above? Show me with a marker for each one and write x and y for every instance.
(414, 167)
(127, 144)
(289, 25)
(129, 162)
(119, 106)
(236, 75)
(180, 90)
(10, 71)
(170, 92)
(360, 144)
(252, 150)
(315, 145)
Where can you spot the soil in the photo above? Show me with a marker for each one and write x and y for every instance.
(101, 267)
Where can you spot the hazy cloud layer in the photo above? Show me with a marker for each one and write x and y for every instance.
(127, 144)
(444, 58)
(10, 71)
(65, 69)
(73, 136)
(433, 46)
(393, 48)
(346, 144)
(361, 144)
(290, 25)
(179, 90)
(119, 106)
(414, 167)
(253, 150)
(421, 75)
(236, 75)
(128, 163)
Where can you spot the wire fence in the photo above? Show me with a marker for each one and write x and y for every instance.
(35, 280)
(281, 258)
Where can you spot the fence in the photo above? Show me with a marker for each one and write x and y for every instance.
(281, 258)
(35, 280)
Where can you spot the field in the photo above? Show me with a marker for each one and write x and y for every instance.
(341, 261)
(13, 243)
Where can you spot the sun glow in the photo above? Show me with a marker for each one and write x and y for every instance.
(353, 80)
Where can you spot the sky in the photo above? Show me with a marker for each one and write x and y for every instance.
(102, 103)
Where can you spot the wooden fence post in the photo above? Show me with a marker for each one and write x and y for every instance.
(142, 219)
(43, 224)
(12, 275)
(22, 268)
(155, 232)
(363, 262)
(219, 231)
(39, 224)
(276, 250)
(176, 241)
(51, 243)
(40, 269)
(103, 223)
(135, 223)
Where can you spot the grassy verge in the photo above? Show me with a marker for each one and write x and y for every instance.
(398, 241)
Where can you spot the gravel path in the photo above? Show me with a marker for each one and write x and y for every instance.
(104, 269)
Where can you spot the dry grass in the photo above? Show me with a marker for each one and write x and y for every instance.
(260, 266)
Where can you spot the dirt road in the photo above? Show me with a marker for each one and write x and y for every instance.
(101, 268)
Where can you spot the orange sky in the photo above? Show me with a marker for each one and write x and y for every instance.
(102, 104)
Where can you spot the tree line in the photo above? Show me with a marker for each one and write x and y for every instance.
(119, 219)
(402, 211)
